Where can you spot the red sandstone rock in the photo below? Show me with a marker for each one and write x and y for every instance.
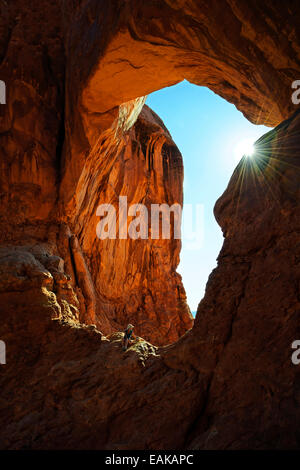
(72, 130)
(136, 280)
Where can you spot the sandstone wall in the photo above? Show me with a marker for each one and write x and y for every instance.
(73, 130)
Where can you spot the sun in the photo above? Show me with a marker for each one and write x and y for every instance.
(243, 148)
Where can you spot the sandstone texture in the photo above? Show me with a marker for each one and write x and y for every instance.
(75, 133)
(136, 280)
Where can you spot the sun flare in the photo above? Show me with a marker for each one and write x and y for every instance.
(244, 148)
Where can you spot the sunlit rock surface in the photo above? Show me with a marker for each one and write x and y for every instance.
(136, 280)
(73, 133)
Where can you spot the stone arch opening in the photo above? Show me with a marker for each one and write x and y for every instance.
(228, 384)
(179, 106)
(146, 49)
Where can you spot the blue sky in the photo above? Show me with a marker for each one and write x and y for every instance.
(210, 133)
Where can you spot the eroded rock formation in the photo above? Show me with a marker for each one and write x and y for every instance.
(136, 280)
(75, 133)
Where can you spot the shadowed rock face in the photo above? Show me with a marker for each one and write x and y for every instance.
(75, 132)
